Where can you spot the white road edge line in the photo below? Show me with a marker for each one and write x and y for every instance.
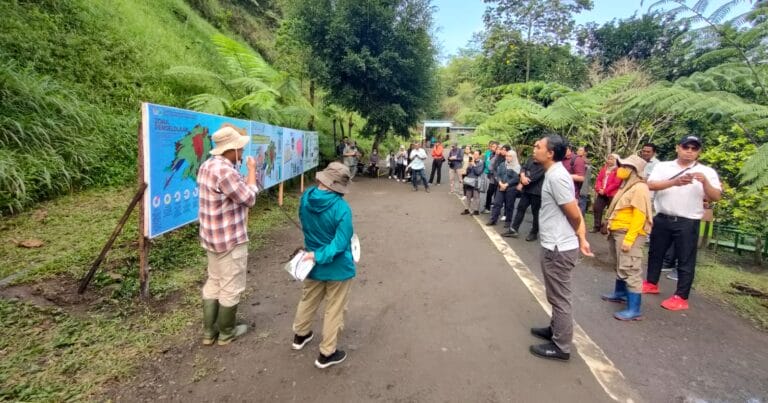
(606, 373)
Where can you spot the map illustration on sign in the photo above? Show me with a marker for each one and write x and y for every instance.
(293, 155)
(265, 148)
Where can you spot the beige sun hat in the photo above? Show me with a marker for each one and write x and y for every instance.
(635, 162)
(227, 138)
(335, 177)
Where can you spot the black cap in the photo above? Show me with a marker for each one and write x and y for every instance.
(690, 139)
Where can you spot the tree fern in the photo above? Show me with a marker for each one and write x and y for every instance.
(755, 170)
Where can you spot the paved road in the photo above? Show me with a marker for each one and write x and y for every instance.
(437, 314)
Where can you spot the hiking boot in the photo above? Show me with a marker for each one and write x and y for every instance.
(675, 303)
(228, 331)
(531, 237)
(300, 341)
(210, 312)
(465, 212)
(633, 308)
(619, 293)
(333, 359)
(544, 333)
(549, 351)
(650, 288)
(511, 233)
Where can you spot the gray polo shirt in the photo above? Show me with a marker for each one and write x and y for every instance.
(554, 228)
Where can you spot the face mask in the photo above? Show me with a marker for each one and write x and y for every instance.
(623, 173)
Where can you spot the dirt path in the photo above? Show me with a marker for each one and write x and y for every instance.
(437, 315)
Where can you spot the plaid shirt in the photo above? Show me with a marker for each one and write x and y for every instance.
(224, 202)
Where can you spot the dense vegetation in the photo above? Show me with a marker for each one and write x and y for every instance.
(680, 69)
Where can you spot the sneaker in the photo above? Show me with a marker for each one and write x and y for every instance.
(511, 233)
(503, 218)
(531, 237)
(398, 179)
(333, 359)
(490, 223)
(476, 212)
(486, 211)
(300, 341)
(650, 288)
(675, 303)
(426, 190)
(415, 189)
(463, 198)
(544, 333)
(465, 212)
(549, 351)
(666, 269)
(672, 275)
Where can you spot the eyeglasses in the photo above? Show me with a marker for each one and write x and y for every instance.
(689, 147)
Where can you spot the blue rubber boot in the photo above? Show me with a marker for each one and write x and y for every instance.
(619, 293)
(633, 308)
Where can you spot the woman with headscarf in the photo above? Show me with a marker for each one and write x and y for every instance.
(606, 186)
(507, 174)
(629, 223)
(402, 160)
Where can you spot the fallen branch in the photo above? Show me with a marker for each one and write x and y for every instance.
(743, 289)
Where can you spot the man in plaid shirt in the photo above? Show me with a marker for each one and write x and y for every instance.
(225, 197)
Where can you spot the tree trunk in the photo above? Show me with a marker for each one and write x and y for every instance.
(528, 53)
(758, 251)
(350, 125)
(377, 139)
(334, 133)
(341, 127)
(311, 123)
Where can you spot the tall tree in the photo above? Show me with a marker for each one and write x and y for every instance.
(376, 58)
(539, 21)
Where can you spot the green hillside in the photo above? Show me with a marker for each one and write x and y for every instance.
(72, 75)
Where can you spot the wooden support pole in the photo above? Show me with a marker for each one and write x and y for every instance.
(301, 187)
(89, 276)
(143, 240)
(280, 194)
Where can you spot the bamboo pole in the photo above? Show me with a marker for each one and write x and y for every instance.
(143, 240)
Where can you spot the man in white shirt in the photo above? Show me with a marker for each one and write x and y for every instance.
(648, 153)
(418, 156)
(680, 186)
(563, 235)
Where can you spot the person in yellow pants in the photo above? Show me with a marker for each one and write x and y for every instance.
(326, 221)
(629, 223)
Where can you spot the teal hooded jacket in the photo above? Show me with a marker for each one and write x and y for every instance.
(326, 220)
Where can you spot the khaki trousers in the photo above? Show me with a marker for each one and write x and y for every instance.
(336, 295)
(226, 275)
(629, 265)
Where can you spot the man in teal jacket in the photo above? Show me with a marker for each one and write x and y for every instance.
(326, 220)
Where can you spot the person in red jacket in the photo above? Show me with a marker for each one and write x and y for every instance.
(606, 186)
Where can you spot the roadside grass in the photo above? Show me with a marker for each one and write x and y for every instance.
(715, 272)
(68, 352)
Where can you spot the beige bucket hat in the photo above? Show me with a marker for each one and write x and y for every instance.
(335, 177)
(635, 162)
(227, 138)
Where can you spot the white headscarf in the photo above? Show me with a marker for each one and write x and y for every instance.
(514, 164)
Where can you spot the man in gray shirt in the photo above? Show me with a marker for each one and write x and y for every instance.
(563, 235)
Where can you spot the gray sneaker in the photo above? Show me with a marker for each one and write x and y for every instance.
(672, 275)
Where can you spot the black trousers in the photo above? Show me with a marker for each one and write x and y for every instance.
(489, 196)
(683, 233)
(528, 199)
(507, 199)
(437, 166)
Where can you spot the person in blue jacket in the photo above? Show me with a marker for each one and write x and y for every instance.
(326, 220)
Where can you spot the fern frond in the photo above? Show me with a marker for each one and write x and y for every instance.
(754, 172)
(198, 77)
(209, 103)
(700, 6)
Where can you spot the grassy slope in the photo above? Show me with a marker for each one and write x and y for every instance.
(108, 56)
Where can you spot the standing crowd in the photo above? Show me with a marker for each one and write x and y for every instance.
(636, 198)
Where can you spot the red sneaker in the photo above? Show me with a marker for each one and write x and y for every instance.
(650, 288)
(675, 303)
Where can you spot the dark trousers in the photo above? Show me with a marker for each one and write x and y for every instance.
(601, 203)
(400, 171)
(528, 199)
(557, 266)
(415, 175)
(437, 166)
(507, 199)
(583, 203)
(683, 233)
(490, 194)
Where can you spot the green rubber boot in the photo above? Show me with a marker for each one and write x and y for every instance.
(210, 312)
(228, 331)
